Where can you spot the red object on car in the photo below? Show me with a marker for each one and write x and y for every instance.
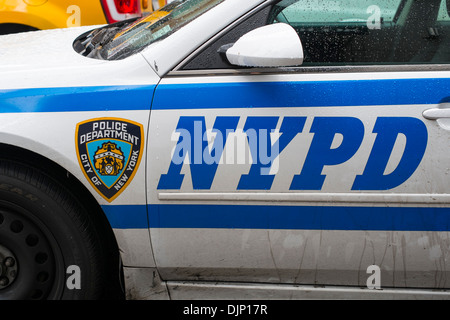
(118, 10)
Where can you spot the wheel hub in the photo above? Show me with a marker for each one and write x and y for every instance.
(8, 267)
(27, 265)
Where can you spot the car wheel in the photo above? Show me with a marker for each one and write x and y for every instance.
(8, 28)
(49, 248)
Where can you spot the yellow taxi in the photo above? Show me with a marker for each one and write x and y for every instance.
(26, 15)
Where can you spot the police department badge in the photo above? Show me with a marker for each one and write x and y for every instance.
(109, 152)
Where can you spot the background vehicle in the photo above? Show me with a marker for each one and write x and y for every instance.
(26, 15)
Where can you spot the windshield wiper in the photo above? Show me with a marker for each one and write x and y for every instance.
(89, 43)
(88, 46)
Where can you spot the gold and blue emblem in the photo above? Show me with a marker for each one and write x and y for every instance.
(109, 152)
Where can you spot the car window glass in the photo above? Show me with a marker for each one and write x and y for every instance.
(350, 32)
(353, 32)
(342, 11)
(443, 12)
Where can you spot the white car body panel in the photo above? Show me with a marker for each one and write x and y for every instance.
(56, 64)
(61, 67)
(294, 256)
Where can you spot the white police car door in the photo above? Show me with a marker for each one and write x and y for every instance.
(309, 174)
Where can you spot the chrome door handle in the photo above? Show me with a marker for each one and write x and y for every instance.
(437, 113)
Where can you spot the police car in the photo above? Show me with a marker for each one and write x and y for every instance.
(229, 149)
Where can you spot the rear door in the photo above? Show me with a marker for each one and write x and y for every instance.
(310, 174)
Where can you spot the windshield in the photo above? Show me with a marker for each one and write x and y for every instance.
(156, 26)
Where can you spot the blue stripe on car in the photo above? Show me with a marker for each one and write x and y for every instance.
(109, 98)
(279, 217)
(227, 95)
(301, 94)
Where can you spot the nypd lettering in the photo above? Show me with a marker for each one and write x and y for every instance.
(266, 144)
(109, 152)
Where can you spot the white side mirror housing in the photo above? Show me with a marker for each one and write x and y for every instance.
(275, 45)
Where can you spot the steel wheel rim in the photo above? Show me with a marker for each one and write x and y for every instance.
(35, 252)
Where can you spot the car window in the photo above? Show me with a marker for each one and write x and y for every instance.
(351, 32)
(342, 11)
(443, 15)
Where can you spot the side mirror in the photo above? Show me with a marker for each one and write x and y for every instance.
(275, 45)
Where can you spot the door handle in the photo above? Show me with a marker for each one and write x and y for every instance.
(437, 113)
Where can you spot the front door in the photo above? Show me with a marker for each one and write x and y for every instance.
(313, 174)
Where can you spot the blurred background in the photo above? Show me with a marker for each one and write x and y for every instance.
(28, 15)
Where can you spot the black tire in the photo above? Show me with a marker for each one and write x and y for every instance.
(45, 229)
(8, 28)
